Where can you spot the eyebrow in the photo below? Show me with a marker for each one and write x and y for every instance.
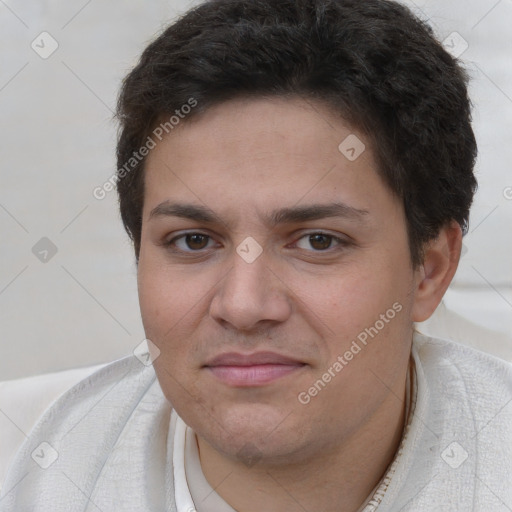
(315, 212)
(288, 215)
(186, 211)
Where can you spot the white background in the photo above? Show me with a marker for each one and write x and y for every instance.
(57, 145)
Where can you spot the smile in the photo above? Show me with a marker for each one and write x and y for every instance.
(251, 370)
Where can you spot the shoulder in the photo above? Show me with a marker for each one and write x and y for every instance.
(24, 400)
(54, 402)
(457, 449)
(462, 380)
(461, 438)
(479, 371)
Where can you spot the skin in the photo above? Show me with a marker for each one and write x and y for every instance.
(260, 448)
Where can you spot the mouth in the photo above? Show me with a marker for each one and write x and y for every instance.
(252, 370)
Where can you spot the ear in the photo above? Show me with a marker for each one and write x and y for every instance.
(436, 273)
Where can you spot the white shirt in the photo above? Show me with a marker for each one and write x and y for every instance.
(113, 443)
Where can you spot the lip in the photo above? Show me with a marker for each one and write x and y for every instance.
(251, 370)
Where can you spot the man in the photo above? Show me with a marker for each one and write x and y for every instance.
(296, 178)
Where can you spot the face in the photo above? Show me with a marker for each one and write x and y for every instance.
(274, 278)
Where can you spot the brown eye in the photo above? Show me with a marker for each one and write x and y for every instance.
(320, 241)
(190, 243)
(196, 241)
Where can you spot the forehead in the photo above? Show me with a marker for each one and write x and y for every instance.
(245, 127)
(259, 153)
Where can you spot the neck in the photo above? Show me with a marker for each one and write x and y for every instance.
(342, 478)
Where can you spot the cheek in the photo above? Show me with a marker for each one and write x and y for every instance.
(165, 295)
(350, 299)
(173, 307)
(155, 299)
(368, 303)
(163, 306)
(166, 312)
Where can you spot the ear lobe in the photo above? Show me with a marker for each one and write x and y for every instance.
(436, 273)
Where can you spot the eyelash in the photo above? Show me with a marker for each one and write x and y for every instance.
(340, 242)
(172, 242)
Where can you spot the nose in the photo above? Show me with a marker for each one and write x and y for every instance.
(250, 296)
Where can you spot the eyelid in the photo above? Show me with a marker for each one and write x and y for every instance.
(170, 242)
(341, 241)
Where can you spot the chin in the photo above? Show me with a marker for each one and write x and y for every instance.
(256, 433)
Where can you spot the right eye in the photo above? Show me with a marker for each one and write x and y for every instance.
(191, 242)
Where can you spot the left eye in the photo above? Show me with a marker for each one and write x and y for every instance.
(318, 241)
